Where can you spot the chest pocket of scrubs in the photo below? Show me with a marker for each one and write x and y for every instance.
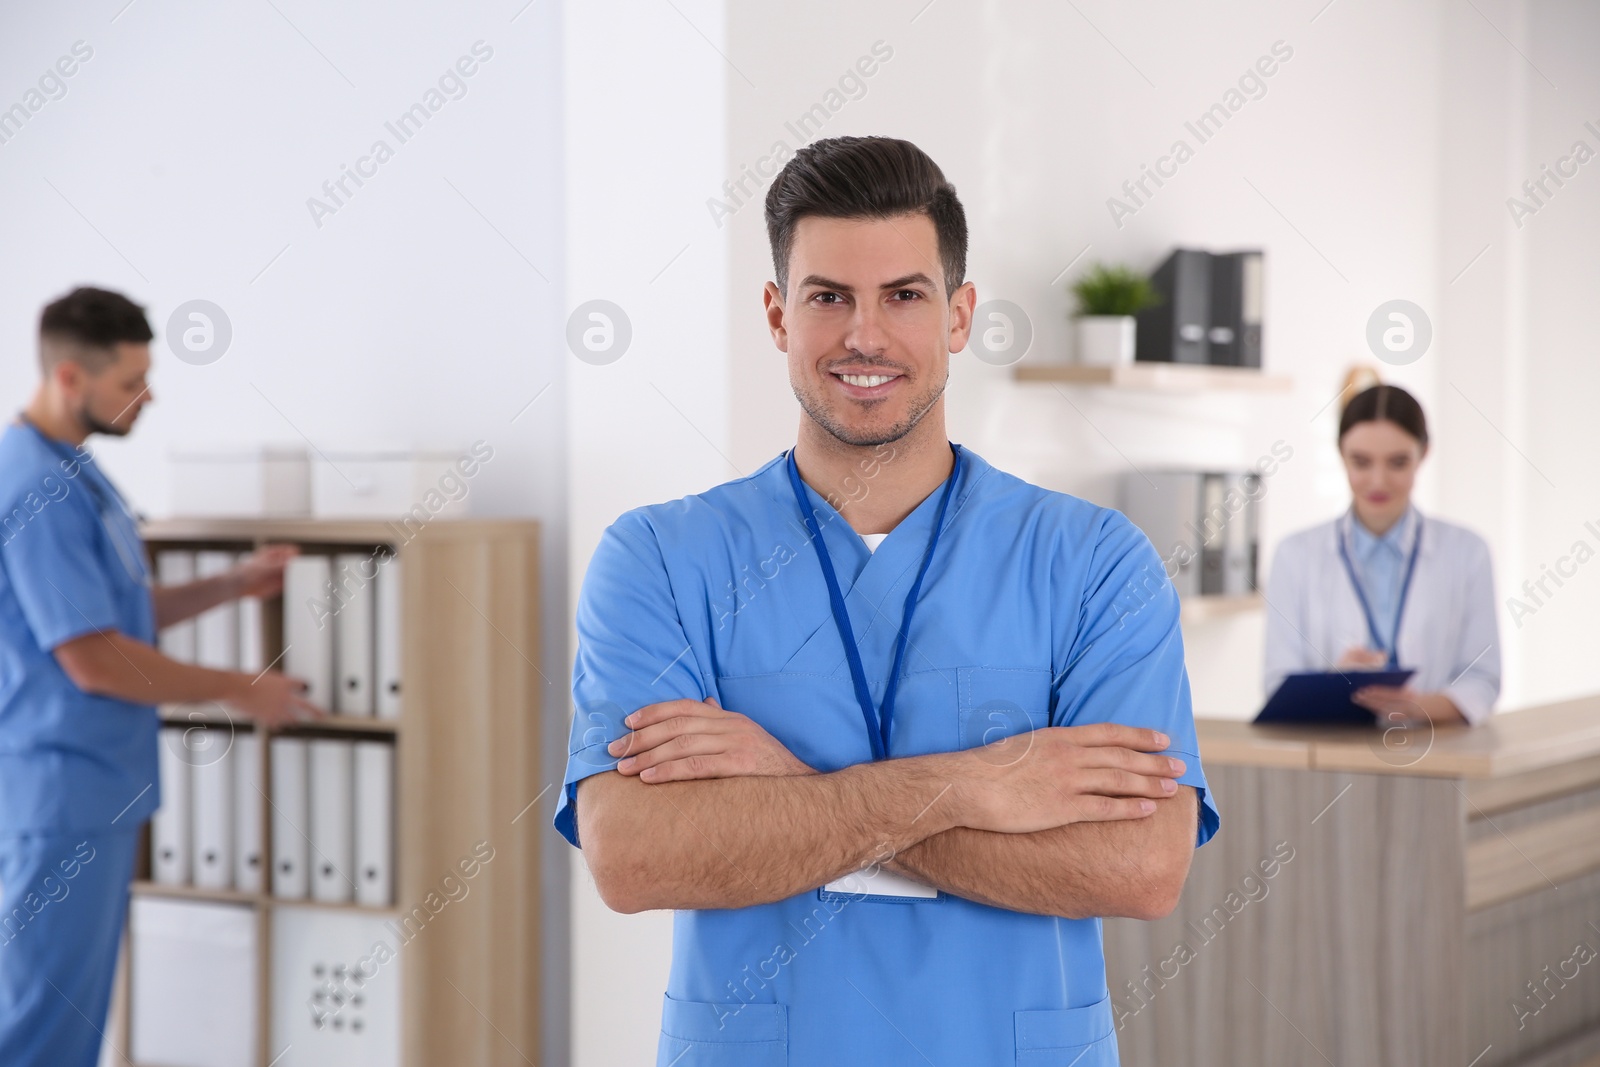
(698, 1033)
(1067, 1037)
(995, 703)
(814, 716)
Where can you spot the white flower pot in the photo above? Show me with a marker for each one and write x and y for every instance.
(1105, 340)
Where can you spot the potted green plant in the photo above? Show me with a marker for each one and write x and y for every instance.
(1108, 299)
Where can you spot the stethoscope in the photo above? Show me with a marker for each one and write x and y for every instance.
(1392, 647)
(130, 555)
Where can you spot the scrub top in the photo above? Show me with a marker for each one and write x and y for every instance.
(1449, 631)
(1038, 609)
(71, 563)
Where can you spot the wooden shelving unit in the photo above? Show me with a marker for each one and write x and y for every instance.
(467, 768)
(214, 715)
(144, 887)
(1157, 377)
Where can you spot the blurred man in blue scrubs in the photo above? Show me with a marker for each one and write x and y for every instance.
(889, 729)
(80, 678)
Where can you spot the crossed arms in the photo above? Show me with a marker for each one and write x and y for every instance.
(710, 811)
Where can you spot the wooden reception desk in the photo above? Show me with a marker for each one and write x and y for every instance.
(1410, 898)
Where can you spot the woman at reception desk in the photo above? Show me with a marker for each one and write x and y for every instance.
(1426, 896)
(1383, 586)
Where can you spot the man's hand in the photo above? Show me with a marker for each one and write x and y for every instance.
(261, 574)
(680, 740)
(1103, 772)
(1361, 659)
(273, 700)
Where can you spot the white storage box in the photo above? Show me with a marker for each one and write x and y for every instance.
(193, 992)
(389, 485)
(244, 483)
(335, 1000)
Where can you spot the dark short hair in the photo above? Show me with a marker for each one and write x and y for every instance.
(1386, 403)
(93, 321)
(865, 178)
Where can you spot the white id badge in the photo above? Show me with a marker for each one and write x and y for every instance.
(879, 885)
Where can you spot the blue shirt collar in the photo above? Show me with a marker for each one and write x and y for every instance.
(1397, 539)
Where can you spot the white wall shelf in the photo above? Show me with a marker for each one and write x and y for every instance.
(1157, 377)
(1203, 608)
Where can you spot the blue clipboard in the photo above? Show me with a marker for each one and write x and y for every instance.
(1323, 697)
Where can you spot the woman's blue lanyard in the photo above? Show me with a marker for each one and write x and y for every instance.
(1392, 647)
(878, 721)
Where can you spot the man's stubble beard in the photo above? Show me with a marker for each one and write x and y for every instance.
(819, 413)
(93, 425)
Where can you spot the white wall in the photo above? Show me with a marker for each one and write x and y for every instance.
(1520, 377)
(645, 94)
(181, 159)
(1553, 372)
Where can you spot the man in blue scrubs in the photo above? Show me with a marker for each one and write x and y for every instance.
(80, 678)
(888, 728)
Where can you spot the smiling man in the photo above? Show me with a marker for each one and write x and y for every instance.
(888, 728)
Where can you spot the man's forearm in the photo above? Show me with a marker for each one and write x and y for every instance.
(113, 664)
(175, 603)
(1131, 868)
(737, 842)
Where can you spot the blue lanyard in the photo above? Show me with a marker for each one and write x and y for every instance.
(104, 505)
(1393, 646)
(878, 721)
(102, 501)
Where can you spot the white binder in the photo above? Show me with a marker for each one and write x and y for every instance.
(169, 829)
(212, 793)
(387, 625)
(175, 567)
(374, 823)
(352, 644)
(332, 821)
(216, 629)
(252, 636)
(248, 862)
(193, 983)
(308, 626)
(290, 803)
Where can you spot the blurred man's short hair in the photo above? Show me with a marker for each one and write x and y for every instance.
(86, 325)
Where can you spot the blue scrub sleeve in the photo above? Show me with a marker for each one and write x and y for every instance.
(632, 652)
(1125, 657)
(56, 570)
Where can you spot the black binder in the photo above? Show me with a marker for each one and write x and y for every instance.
(1234, 333)
(1174, 331)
